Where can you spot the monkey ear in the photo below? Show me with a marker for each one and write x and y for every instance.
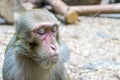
(16, 16)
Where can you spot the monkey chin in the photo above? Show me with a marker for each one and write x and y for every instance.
(50, 62)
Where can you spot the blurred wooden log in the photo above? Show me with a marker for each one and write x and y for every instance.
(7, 7)
(6, 10)
(61, 8)
(82, 2)
(97, 9)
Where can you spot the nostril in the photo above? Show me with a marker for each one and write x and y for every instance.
(52, 47)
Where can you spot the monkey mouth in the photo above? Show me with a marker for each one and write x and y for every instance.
(54, 55)
(54, 58)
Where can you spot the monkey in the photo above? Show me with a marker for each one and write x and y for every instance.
(35, 51)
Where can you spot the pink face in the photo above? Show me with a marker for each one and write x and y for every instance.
(47, 34)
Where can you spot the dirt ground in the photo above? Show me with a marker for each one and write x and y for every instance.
(94, 47)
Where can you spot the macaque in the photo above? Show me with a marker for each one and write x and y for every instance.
(35, 51)
(8, 7)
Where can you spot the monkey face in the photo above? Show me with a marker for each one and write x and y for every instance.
(48, 51)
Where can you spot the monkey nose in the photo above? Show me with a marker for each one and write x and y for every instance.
(53, 50)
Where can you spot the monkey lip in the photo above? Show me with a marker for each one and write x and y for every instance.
(54, 55)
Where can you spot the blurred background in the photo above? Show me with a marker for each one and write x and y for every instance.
(90, 28)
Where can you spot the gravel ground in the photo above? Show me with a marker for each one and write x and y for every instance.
(94, 47)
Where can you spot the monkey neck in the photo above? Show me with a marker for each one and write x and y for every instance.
(31, 68)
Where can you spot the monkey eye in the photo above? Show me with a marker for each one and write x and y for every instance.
(54, 29)
(41, 31)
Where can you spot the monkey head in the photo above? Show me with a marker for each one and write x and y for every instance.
(37, 36)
